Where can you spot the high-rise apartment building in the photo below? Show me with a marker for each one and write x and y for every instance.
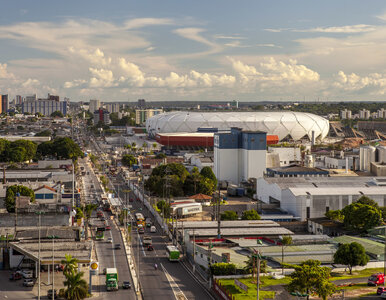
(364, 114)
(141, 103)
(101, 115)
(44, 106)
(94, 105)
(345, 114)
(4, 103)
(112, 107)
(141, 115)
(18, 100)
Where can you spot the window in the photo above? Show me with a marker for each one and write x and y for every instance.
(327, 209)
(308, 212)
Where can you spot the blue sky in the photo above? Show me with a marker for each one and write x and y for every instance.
(194, 50)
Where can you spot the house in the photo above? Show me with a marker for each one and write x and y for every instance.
(47, 195)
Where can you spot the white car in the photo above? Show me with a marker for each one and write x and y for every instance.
(28, 282)
(383, 295)
(110, 240)
(153, 229)
(27, 274)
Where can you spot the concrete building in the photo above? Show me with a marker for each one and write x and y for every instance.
(4, 103)
(44, 106)
(239, 155)
(381, 113)
(364, 114)
(312, 197)
(112, 107)
(345, 114)
(287, 156)
(141, 115)
(296, 171)
(18, 100)
(94, 105)
(101, 115)
(370, 154)
(141, 103)
(201, 161)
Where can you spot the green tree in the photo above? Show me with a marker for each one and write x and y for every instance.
(229, 215)
(57, 114)
(223, 269)
(164, 208)
(207, 172)
(11, 194)
(61, 148)
(351, 255)
(368, 201)
(285, 241)
(46, 132)
(154, 145)
(70, 265)
(361, 217)
(250, 215)
(160, 155)
(76, 287)
(250, 266)
(79, 213)
(335, 215)
(308, 277)
(128, 160)
(325, 288)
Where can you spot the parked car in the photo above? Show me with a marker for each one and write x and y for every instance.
(108, 227)
(376, 279)
(50, 292)
(117, 246)
(110, 240)
(27, 274)
(150, 248)
(126, 285)
(383, 295)
(141, 230)
(381, 290)
(16, 276)
(28, 282)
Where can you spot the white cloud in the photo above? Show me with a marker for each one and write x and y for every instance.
(143, 22)
(359, 28)
(96, 57)
(268, 45)
(101, 78)
(74, 83)
(229, 37)
(194, 34)
(4, 74)
(29, 83)
(352, 82)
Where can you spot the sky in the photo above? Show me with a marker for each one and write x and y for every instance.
(212, 50)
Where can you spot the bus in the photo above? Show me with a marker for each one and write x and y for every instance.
(172, 253)
(140, 219)
(100, 234)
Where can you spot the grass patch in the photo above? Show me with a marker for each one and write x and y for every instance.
(353, 287)
(240, 294)
(356, 274)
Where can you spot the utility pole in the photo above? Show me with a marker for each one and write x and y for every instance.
(194, 251)
(218, 215)
(53, 268)
(39, 213)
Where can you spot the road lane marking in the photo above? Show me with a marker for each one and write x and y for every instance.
(178, 294)
(113, 250)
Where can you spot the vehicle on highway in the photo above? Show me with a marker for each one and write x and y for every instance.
(376, 279)
(15, 276)
(150, 248)
(148, 222)
(146, 240)
(28, 282)
(383, 295)
(100, 234)
(126, 285)
(141, 230)
(153, 229)
(140, 219)
(172, 253)
(117, 246)
(381, 290)
(111, 279)
(110, 240)
(49, 294)
(108, 227)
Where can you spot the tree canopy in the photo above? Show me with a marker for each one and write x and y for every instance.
(11, 194)
(128, 160)
(361, 217)
(351, 255)
(61, 148)
(229, 215)
(57, 114)
(250, 215)
(17, 151)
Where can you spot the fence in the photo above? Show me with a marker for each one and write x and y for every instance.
(221, 291)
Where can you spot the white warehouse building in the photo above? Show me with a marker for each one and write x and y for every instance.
(312, 197)
(295, 125)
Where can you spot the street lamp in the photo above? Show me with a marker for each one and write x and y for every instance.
(39, 213)
(53, 237)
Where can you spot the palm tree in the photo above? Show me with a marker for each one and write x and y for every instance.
(70, 265)
(285, 241)
(144, 146)
(154, 145)
(77, 287)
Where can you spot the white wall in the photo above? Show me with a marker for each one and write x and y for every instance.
(226, 164)
(254, 162)
(286, 155)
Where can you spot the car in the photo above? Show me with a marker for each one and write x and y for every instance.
(15, 276)
(141, 230)
(381, 290)
(383, 295)
(376, 279)
(108, 227)
(126, 285)
(153, 229)
(50, 292)
(117, 246)
(150, 248)
(27, 274)
(110, 240)
(28, 282)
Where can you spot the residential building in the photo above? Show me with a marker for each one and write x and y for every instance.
(18, 100)
(141, 115)
(239, 155)
(101, 115)
(44, 106)
(345, 114)
(381, 113)
(112, 107)
(4, 103)
(94, 105)
(364, 114)
(141, 103)
(31, 98)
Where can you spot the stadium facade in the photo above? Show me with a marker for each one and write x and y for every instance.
(284, 124)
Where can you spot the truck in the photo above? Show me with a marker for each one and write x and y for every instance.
(111, 279)
(147, 240)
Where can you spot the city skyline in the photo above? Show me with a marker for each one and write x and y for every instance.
(222, 50)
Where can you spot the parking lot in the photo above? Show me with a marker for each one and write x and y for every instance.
(13, 289)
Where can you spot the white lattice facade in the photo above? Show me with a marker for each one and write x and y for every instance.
(296, 125)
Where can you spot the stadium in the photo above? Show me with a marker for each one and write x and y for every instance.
(286, 125)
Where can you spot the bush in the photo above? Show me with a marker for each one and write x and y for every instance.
(11, 193)
(223, 269)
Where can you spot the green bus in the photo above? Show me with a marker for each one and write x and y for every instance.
(172, 253)
(100, 234)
